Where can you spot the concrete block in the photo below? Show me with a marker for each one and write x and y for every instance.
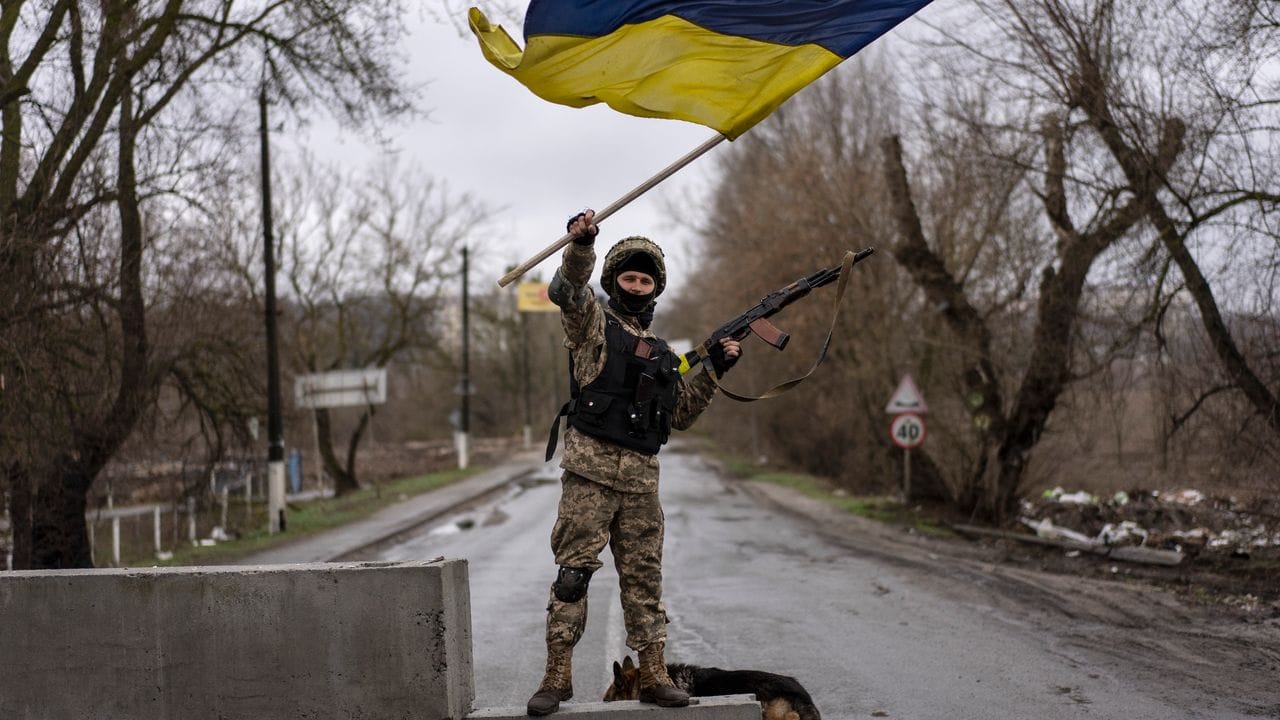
(328, 640)
(723, 707)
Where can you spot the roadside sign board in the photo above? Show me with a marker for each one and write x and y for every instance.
(532, 297)
(907, 398)
(907, 431)
(341, 388)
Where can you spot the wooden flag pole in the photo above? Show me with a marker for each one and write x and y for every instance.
(622, 202)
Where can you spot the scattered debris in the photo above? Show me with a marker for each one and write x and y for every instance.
(1211, 549)
(1183, 520)
(1127, 532)
(1069, 540)
(1076, 498)
(1046, 529)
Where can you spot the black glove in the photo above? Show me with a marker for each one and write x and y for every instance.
(719, 361)
(589, 238)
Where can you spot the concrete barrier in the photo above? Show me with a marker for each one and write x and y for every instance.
(724, 707)
(379, 641)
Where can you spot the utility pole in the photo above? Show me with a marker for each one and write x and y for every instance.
(275, 421)
(464, 385)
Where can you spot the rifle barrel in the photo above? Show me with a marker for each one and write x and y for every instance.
(826, 276)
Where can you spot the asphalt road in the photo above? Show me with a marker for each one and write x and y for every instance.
(750, 586)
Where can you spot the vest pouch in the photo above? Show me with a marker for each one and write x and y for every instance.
(591, 408)
(664, 423)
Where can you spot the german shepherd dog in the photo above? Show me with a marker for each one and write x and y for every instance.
(780, 696)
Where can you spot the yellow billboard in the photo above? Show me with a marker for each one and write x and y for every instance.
(532, 297)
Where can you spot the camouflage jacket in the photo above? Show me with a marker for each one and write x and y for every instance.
(583, 316)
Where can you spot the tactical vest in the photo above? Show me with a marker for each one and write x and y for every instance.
(631, 401)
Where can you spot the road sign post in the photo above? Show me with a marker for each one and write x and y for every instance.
(907, 430)
(363, 387)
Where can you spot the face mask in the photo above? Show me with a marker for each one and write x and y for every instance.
(635, 303)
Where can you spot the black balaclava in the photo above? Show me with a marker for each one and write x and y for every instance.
(638, 306)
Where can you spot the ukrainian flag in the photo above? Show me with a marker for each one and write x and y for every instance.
(725, 64)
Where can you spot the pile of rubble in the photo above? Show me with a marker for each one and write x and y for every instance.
(1185, 521)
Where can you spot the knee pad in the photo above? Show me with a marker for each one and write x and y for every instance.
(571, 584)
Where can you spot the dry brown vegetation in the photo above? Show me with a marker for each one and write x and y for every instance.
(1074, 205)
(117, 120)
(1078, 266)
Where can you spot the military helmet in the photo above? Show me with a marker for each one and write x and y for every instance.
(621, 252)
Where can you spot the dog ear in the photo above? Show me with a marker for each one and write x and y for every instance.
(627, 664)
(617, 673)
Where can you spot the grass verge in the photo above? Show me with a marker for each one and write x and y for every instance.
(873, 507)
(304, 519)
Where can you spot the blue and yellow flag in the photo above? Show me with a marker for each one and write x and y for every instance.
(725, 64)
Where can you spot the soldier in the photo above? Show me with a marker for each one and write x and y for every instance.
(626, 396)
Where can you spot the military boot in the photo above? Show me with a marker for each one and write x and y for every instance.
(655, 684)
(557, 683)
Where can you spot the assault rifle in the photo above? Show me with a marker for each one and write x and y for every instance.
(755, 319)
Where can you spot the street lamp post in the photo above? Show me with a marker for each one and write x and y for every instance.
(464, 385)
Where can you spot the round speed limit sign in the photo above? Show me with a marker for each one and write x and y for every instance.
(907, 430)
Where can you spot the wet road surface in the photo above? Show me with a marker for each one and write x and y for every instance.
(748, 586)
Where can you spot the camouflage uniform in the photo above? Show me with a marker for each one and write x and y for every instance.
(610, 493)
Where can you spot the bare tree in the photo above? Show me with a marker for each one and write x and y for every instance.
(1008, 433)
(106, 111)
(368, 259)
(1137, 77)
(1034, 272)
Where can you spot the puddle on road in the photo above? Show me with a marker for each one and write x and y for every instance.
(490, 515)
(455, 526)
(452, 528)
(497, 517)
(487, 514)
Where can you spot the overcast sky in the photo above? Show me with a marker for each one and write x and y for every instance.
(534, 163)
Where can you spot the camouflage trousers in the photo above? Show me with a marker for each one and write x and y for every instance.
(591, 516)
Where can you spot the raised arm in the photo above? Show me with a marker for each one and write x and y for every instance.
(579, 309)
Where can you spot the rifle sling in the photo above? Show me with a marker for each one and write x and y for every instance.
(845, 270)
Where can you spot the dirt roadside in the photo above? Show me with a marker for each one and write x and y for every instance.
(1185, 630)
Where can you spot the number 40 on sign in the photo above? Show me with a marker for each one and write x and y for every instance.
(907, 430)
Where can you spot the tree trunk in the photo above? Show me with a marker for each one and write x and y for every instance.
(1044, 381)
(343, 481)
(20, 515)
(59, 536)
(1147, 173)
(1233, 361)
(982, 383)
(354, 444)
